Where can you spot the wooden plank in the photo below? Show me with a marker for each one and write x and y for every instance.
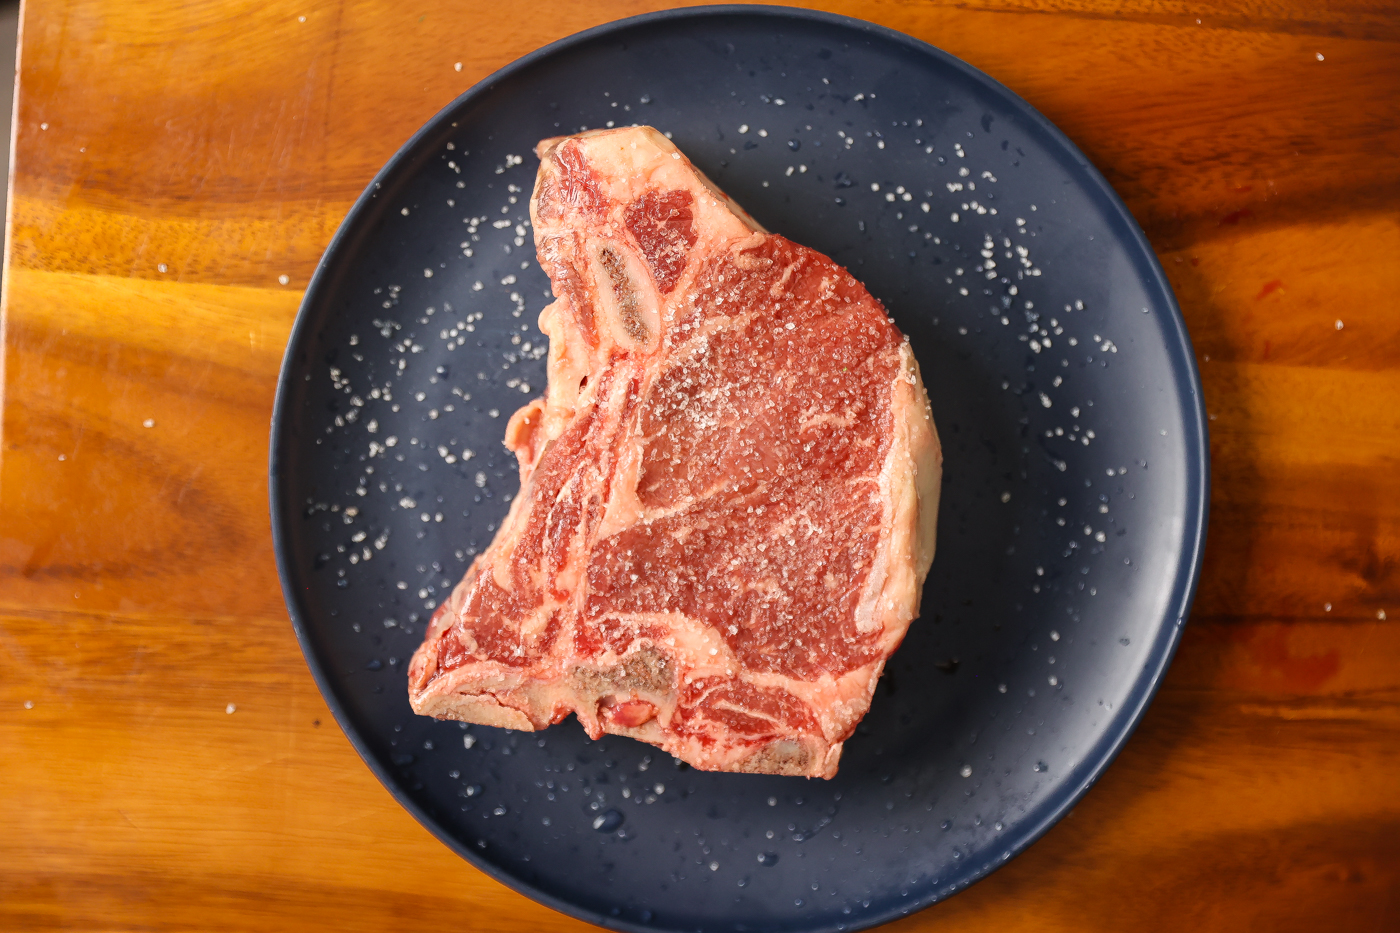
(1254, 772)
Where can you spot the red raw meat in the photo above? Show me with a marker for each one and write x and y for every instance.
(728, 495)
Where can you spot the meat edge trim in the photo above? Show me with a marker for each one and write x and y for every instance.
(910, 481)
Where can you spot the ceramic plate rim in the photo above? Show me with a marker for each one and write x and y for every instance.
(1186, 380)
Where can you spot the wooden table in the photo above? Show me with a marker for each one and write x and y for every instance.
(165, 760)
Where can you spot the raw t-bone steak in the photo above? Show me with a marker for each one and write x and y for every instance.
(728, 495)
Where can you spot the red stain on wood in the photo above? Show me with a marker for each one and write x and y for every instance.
(1270, 650)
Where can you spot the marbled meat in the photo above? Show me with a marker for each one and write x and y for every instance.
(728, 493)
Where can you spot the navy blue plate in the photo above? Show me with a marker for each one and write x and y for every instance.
(1062, 382)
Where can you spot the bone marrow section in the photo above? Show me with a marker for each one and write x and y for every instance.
(627, 304)
(728, 493)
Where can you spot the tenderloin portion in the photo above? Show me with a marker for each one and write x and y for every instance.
(728, 493)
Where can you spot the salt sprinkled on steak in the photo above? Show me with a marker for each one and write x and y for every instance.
(728, 493)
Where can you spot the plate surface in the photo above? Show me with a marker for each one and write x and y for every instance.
(1062, 383)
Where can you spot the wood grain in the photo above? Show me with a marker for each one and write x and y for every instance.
(172, 160)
